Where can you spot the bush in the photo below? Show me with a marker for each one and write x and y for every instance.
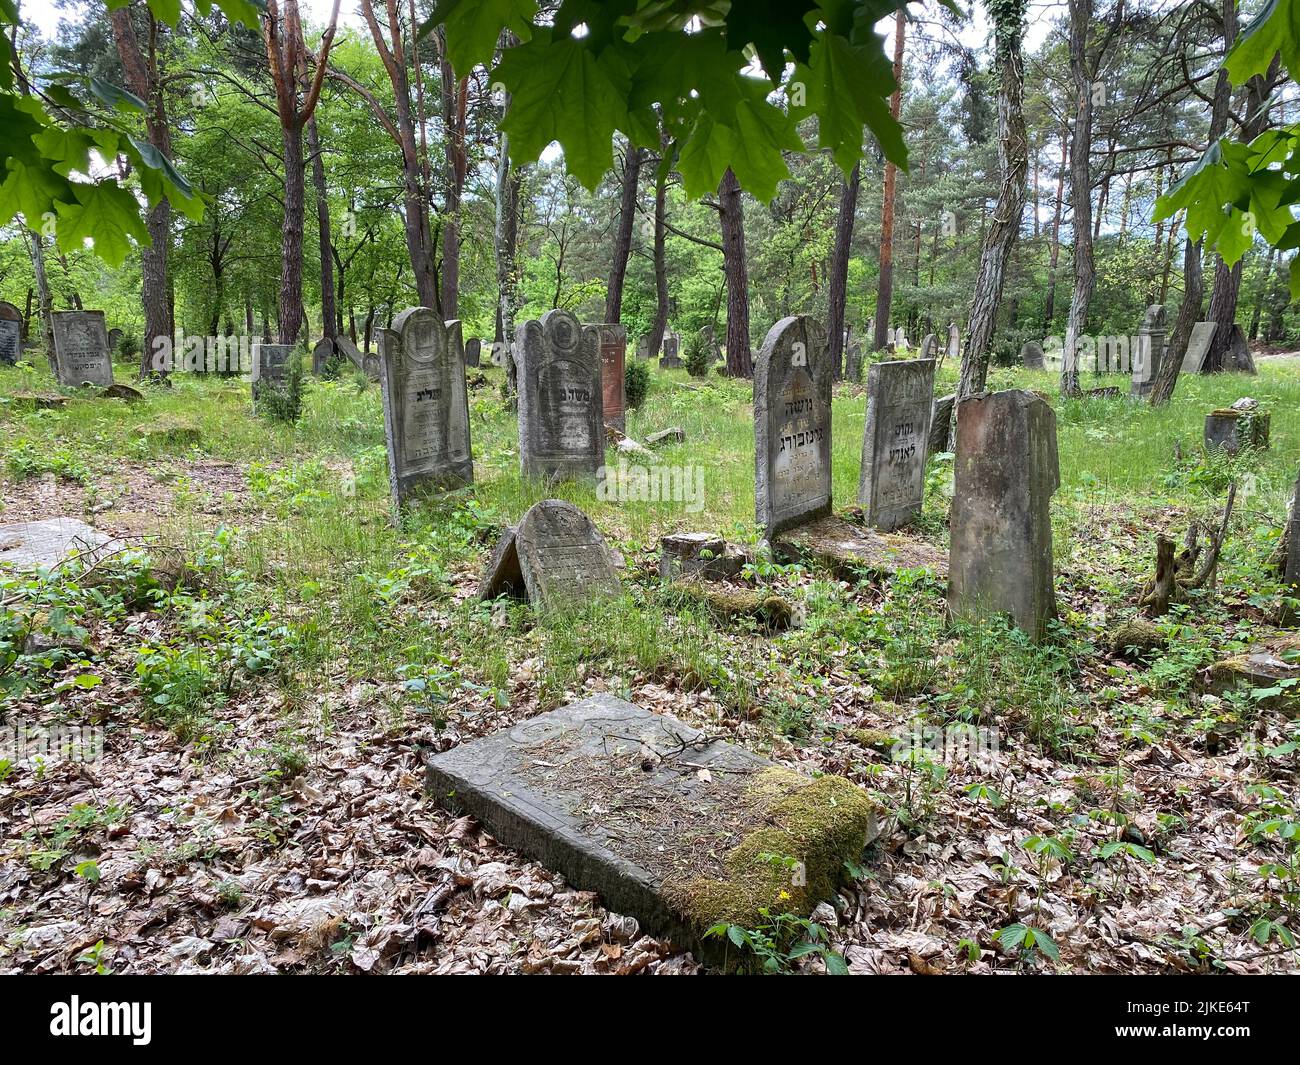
(699, 355)
(282, 404)
(636, 382)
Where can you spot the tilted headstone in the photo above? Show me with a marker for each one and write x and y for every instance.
(322, 354)
(426, 409)
(891, 488)
(473, 351)
(792, 426)
(672, 347)
(929, 345)
(81, 353)
(613, 359)
(1198, 346)
(941, 425)
(350, 351)
(1150, 350)
(1031, 355)
(1006, 471)
(555, 557)
(11, 333)
(50, 543)
(560, 430)
(271, 364)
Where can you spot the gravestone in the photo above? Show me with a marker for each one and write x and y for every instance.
(1198, 346)
(643, 348)
(426, 408)
(900, 340)
(555, 558)
(1006, 472)
(500, 353)
(1031, 355)
(613, 358)
(792, 426)
(322, 354)
(271, 364)
(697, 554)
(889, 338)
(853, 362)
(48, 544)
(349, 351)
(1150, 350)
(560, 430)
(473, 351)
(672, 346)
(954, 341)
(929, 345)
(941, 425)
(114, 338)
(11, 333)
(81, 353)
(668, 824)
(900, 396)
(1241, 425)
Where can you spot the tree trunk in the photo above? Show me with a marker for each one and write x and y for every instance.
(291, 310)
(885, 284)
(1080, 194)
(453, 112)
(1049, 311)
(1162, 390)
(839, 269)
(45, 301)
(632, 159)
(660, 326)
(506, 239)
(739, 360)
(1265, 281)
(330, 322)
(142, 79)
(1004, 229)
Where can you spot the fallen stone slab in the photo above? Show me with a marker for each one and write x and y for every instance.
(38, 400)
(555, 558)
(672, 435)
(844, 548)
(48, 544)
(1276, 669)
(121, 391)
(669, 825)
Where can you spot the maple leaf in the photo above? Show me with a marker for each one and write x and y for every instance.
(104, 213)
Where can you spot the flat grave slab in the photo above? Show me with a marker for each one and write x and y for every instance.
(665, 822)
(31, 545)
(844, 547)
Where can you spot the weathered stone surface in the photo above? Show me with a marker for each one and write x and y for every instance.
(48, 544)
(473, 351)
(941, 425)
(670, 359)
(367, 362)
(1150, 351)
(667, 824)
(687, 554)
(900, 397)
(426, 407)
(929, 346)
(1006, 472)
(560, 431)
(11, 334)
(322, 353)
(954, 342)
(1234, 428)
(271, 364)
(613, 359)
(1031, 355)
(847, 549)
(1262, 667)
(643, 348)
(38, 400)
(81, 353)
(792, 426)
(674, 434)
(1198, 346)
(555, 557)
(121, 391)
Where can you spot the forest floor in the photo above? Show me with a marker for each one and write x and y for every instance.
(267, 709)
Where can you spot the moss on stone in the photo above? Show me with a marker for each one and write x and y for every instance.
(818, 824)
(1137, 636)
(727, 602)
(875, 738)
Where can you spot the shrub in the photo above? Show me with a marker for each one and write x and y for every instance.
(636, 382)
(283, 403)
(699, 355)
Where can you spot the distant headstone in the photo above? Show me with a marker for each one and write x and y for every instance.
(891, 488)
(613, 358)
(900, 339)
(426, 409)
(672, 346)
(271, 363)
(560, 430)
(698, 554)
(853, 362)
(48, 544)
(114, 338)
(941, 425)
(11, 333)
(473, 351)
(1031, 355)
(643, 348)
(954, 341)
(1006, 472)
(555, 557)
(792, 425)
(929, 345)
(500, 353)
(1150, 350)
(1198, 346)
(81, 352)
(349, 351)
(322, 354)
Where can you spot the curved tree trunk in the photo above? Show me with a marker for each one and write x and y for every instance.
(331, 323)
(1004, 229)
(623, 236)
(839, 269)
(1189, 314)
(739, 359)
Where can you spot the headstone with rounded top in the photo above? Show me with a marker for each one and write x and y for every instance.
(560, 427)
(900, 396)
(1031, 355)
(1150, 351)
(929, 345)
(426, 408)
(322, 354)
(473, 351)
(11, 333)
(81, 354)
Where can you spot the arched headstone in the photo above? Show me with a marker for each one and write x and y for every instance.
(560, 430)
(11, 333)
(81, 353)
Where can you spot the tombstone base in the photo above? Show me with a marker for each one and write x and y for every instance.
(846, 548)
(668, 824)
(698, 553)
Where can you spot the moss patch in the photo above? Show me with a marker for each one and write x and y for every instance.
(794, 858)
